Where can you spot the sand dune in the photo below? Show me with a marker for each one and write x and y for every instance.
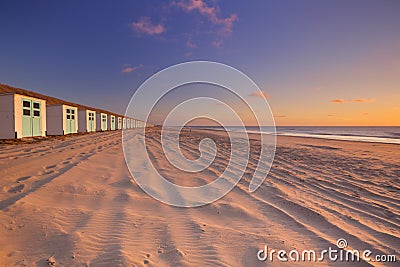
(73, 198)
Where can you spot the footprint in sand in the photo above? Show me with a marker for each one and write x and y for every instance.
(46, 172)
(66, 162)
(50, 166)
(23, 179)
(16, 189)
(48, 169)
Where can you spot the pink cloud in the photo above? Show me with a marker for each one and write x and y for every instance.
(144, 25)
(260, 94)
(190, 44)
(211, 13)
(128, 68)
(217, 43)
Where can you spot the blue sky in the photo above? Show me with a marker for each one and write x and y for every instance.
(319, 62)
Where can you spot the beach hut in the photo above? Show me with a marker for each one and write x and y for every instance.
(111, 123)
(123, 123)
(21, 116)
(87, 121)
(62, 119)
(101, 121)
(119, 123)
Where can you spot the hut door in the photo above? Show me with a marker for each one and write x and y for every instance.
(26, 117)
(36, 119)
(70, 121)
(112, 123)
(31, 120)
(91, 121)
(73, 121)
(103, 122)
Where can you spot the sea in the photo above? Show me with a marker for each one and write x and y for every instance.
(376, 134)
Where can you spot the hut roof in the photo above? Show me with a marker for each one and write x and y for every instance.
(50, 101)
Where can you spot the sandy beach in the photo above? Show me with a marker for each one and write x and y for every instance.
(72, 199)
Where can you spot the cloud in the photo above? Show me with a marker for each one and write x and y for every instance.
(357, 100)
(260, 94)
(340, 101)
(128, 68)
(363, 100)
(210, 12)
(217, 43)
(190, 44)
(145, 26)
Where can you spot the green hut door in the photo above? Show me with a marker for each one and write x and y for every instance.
(36, 119)
(103, 122)
(91, 121)
(112, 123)
(31, 120)
(70, 121)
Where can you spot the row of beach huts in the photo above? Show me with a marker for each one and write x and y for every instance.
(25, 113)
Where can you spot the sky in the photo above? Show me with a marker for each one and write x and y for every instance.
(316, 62)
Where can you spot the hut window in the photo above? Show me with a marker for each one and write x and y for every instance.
(36, 113)
(36, 105)
(72, 111)
(26, 104)
(27, 112)
(68, 117)
(72, 117)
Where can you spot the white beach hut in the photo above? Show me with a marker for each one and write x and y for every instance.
(62, 119)
(87, 121)
(124, 123)
(21, 116)
(101, 121)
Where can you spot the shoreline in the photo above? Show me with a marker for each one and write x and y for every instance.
(302, 137)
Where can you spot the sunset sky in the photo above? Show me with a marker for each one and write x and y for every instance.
(317, 62)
